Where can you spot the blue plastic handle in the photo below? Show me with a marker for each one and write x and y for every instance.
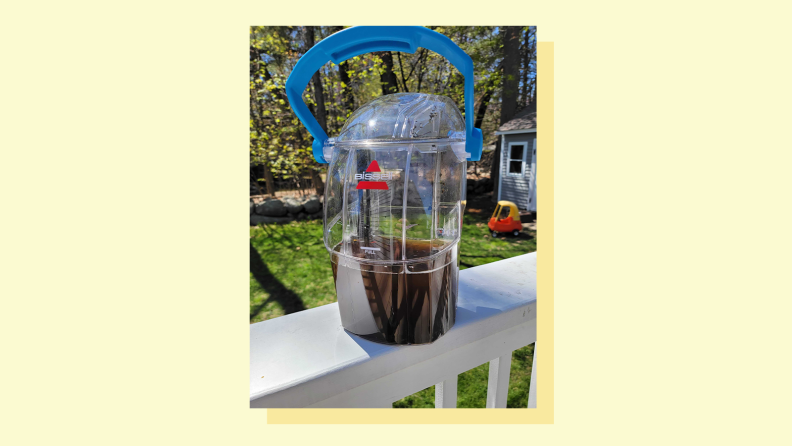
(359, 40)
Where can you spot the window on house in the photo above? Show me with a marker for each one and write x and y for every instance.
(516, 153)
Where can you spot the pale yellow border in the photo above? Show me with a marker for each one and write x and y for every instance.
(124, 170)
(543, 414)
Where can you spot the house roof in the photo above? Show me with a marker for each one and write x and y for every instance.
(525, 119)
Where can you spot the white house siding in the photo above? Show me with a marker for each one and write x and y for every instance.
(517, 189)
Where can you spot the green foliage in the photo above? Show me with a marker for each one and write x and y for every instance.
(277, 138)
(282, 144)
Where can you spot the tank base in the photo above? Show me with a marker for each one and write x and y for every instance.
(379, 338)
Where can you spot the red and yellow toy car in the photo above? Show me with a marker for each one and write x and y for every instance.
(501, 222)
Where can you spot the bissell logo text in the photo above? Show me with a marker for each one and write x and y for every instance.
(373, 172)
(374, 176)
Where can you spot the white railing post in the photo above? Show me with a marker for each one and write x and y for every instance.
(498, 383)
(446, 393)
(532, 387)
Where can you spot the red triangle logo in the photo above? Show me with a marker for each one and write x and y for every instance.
(378, 185)
(373, 167)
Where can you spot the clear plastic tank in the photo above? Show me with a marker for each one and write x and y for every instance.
(395, 185)
(393, 214)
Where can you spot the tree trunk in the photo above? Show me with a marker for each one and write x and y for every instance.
(346, 90)
(317, 182)
(422, 70)
(348, 100)
(511, 73)
(525, 58)
(526, 97)
(483, 104)
(256, 66)
(315, 178)
(532, 97)
(321, 112)
(268, 175)
(481, 111)
(401, 71)
(388, 78)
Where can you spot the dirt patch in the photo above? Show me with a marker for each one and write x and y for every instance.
(480, 204)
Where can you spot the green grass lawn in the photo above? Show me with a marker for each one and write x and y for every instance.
(290, 271)
(472, 385)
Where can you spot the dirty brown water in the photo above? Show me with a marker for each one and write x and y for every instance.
(415, 307)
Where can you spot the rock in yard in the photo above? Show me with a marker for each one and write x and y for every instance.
(313, 206)
(259, 219)
(271, 208)
(293, 205)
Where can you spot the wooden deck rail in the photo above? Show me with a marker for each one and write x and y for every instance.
(306, 359)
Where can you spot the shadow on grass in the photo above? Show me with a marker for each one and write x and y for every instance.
(288, 300)
(484, 257)
(282, 236)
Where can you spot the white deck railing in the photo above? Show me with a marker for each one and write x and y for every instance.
(306, 359)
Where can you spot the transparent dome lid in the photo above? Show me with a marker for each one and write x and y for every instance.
(395, 184)
(403, 118)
